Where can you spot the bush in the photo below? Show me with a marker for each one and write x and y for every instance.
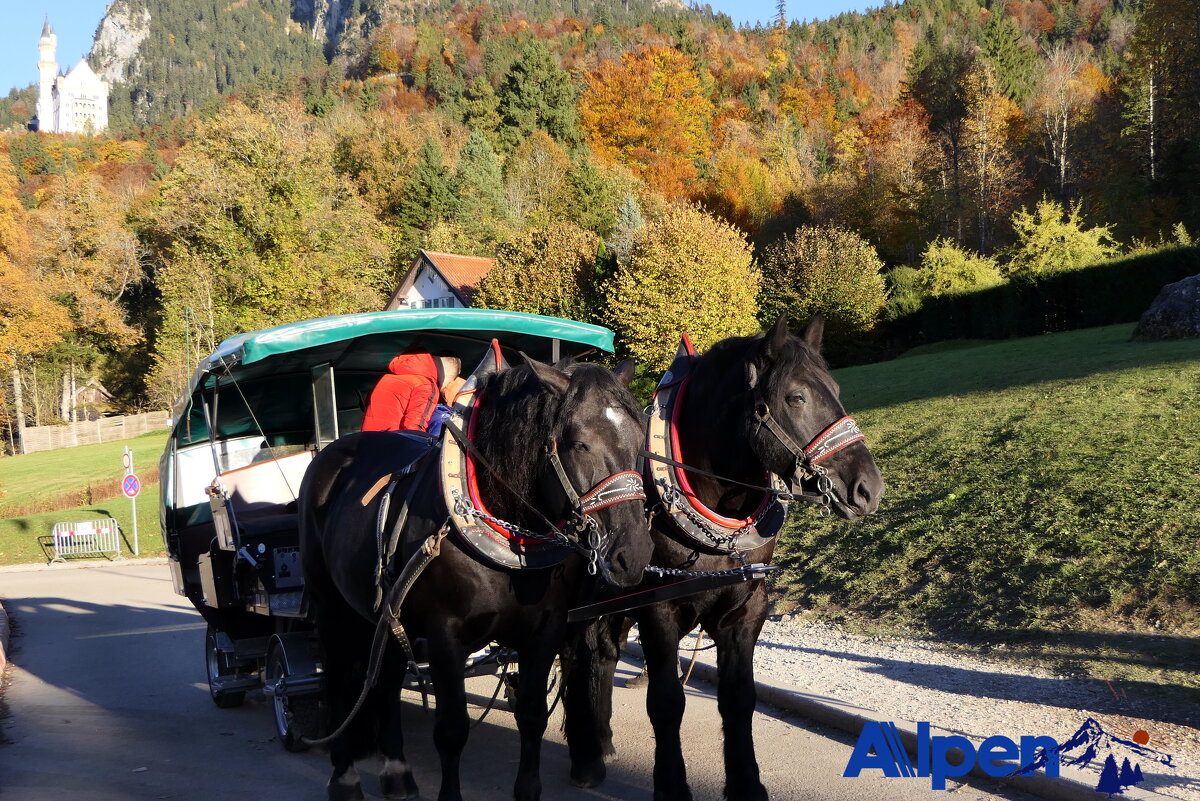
(824, 270)
(1116, 291)
(1052, 238)
(947, 269)
(686, 272)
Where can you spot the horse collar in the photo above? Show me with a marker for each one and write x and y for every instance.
(693, 521)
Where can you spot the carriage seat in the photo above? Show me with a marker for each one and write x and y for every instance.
(265, 488)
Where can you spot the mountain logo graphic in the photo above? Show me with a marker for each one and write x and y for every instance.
(1092, 745)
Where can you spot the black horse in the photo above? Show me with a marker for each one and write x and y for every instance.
(530, 418)
(721, 430)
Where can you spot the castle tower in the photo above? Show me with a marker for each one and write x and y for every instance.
(47, 72)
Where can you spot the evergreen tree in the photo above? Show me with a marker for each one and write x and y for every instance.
(1015, 63)
(537, 93)
(1109, 781)
(427, 195)
(1127, 778)
(478, 187)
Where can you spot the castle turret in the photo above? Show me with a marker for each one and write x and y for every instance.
(47, 72)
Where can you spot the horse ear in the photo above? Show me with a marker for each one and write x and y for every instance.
(814, 332)
(625, 372)
(775, 338)
(550, 378)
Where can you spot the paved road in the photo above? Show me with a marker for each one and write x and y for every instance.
(108, 702)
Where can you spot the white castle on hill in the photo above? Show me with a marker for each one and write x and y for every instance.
(73, 103)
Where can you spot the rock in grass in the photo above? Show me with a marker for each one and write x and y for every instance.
(1174, 314)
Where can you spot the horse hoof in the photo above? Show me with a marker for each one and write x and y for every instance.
(588, 776)
(398, 786)
(638, 681)
(344, 792)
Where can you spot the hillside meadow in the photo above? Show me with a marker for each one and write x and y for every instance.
(1034, 486)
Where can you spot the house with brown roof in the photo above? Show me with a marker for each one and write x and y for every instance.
(440, 281)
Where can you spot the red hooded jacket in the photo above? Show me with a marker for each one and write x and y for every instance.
(404, 399)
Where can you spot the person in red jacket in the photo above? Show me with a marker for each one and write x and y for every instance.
(406, 396)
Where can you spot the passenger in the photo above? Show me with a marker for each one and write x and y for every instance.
(405, 398)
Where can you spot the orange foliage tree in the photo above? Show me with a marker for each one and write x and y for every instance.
(651, 113)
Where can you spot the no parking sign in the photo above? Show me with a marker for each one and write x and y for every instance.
(131, 486)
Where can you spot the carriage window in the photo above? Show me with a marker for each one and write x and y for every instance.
(325, 418)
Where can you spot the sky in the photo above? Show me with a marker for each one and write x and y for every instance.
(75, 21)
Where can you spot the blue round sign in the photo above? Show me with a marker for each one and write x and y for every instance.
(131, 486)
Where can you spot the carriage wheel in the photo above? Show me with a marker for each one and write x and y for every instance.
(296, 715)
(218, 666)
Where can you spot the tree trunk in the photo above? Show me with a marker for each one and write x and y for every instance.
(18, 408)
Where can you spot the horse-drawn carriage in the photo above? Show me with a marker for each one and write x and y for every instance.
(255, 414)
(539, 468)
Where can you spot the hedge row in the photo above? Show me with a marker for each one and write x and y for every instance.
(1117, 291)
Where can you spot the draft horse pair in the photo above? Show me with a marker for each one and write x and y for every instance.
(549, 435)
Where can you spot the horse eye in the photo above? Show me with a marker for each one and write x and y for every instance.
(579, 446)
(796, 399)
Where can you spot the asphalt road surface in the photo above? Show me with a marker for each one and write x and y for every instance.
(107, 701)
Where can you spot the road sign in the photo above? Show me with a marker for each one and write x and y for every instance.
(131, 486)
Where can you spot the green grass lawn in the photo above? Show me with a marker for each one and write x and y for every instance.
(44, 474)
(26, 540)
(1045, 484)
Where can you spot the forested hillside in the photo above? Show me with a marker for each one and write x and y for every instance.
(632, 163)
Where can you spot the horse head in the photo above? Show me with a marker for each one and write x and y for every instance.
(798, 427)
(589, 430)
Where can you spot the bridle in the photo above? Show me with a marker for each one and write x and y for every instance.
(620, 487)
(806, 461)
(580, 532)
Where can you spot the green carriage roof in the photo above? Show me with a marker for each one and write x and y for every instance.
(365, 342)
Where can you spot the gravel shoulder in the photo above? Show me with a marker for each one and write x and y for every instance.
(918, 680)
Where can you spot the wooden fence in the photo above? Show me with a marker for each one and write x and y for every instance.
(90, 432)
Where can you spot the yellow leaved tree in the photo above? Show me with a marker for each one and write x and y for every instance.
(686, 272)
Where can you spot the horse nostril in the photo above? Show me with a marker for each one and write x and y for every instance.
(862, 496)
(620, 563)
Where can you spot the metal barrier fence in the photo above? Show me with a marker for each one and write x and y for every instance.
(86, 538)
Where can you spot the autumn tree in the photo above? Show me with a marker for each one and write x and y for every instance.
(992, 174)
(253, 228)
(535, 182)
(1061, 100)
(549, 270)
(686, 271)
(651, 113)
(31, 321)
(827, 270)
(1053, 237)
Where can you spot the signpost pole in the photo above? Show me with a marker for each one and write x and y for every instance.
(127, 460)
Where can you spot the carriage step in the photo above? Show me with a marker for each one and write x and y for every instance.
(234, 683)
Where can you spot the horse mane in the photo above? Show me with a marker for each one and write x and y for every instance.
(516, 416)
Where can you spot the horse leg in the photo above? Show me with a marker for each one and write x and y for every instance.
(589, 666)
(344, 640)
(450, 722)
(396, 778)
(735, 636)
(665, 703)
(536, 657)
